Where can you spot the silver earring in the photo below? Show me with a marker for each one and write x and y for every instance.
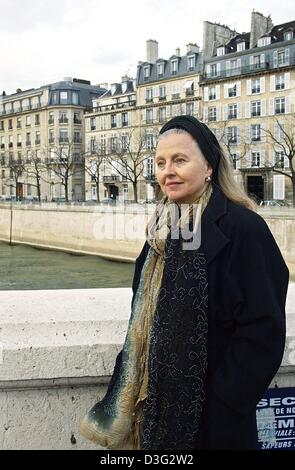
(208, 178)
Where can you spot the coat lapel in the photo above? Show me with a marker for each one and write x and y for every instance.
(213, 239)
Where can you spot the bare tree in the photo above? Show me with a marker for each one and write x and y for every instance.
(15, 166)
(93, 160)
(33, 168)
(128, 154)
(63, 160)
(283, 141)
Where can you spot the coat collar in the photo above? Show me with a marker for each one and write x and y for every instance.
(213, 239)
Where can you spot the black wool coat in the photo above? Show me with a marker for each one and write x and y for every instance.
(247, 288)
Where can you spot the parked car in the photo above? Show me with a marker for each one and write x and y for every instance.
(271, 202)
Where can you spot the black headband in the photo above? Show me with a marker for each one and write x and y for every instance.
(205, 138)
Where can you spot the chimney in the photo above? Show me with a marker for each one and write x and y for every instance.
(152, 51)
(260, 25)
(177, 52)
(103, 85)
(193, 48)
(214, 35)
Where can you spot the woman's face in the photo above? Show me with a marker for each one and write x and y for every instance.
(181, 168)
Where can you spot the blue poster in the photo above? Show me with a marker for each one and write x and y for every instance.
(275, 415)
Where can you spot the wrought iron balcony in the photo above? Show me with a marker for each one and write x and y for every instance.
(111, 179)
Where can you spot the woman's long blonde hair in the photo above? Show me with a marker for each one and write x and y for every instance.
(225, 178)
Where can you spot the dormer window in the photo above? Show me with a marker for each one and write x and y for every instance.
(220, 50)
(174, 67)
(241, 46)
(265, 41)
(146, 72)
(191, 63)
(160, 69)
(288, 35)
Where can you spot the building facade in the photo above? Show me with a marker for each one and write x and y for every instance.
(248, 90)
(42, 141)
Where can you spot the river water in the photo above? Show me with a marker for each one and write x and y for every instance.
(25, 267)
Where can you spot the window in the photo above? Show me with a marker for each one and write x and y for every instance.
(282, 58)
(256, 85)
(37, 119)
(162, 92)
(75, 97)
(51, 137)
(51, 118)
(28, 120)
(1, 125)
(29, 190)
(235, 160)
(241, 46)
(10, 124)
(280, 82)
(19, 140)
(160, 69)
(113, 121)
(125, 142)
(213, 70)
(54, 97)
(279, 159)
(149, 95)
(28, 138)
(124, 119)
(63, 97)
(37, 138)
(279, 105)
(263, 41)
(255, 132)
(190, 109)
(234, 65)
(19, 123)
(63, 118)
(232, 90)
(63, 136)
(232, 111)
(149, 116)
(174, 67)
(212, 114)
(10, 140)
(191, 63)
(220, 51)
(150, 141)
(257, 62)
(113, 143)
(232, 135)
(255, 108)
(288, 35)
(212, 93)
(77, 119)
(77, 137)
(146, 72)
(255, 159)
(150, 167)
(162, 114)
(93, 123)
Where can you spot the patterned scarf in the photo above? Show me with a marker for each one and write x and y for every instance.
(135, 412)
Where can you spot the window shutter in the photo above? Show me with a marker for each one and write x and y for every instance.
(287, 105)
(249, 91)
(271, 107)
(206, 93)
(247, 109)
(263, 107)
(239, 110)
(262, 85)
(248, 134)
(227, 67)
(196, 107)
(205, 114)
(238, 88)
(218, 117)
(287, 56)
(218, 92)
(251, 60)
(225, 112)
(156, 92)
(167, 111)
(208, 69)
(275, 58)
(239, 135)
(155, 117)
(225, 91)
(218, 68)
(272, 83)
(239, 63)
(262, 59)
(287, 81)
(262, 158)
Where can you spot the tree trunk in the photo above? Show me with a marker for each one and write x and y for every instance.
(134, 184)
(66, 191)
(293, 187)
(97, 190)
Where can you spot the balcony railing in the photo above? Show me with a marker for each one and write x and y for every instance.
(37, 142)
(50, 121)
(28, 143)
(175, 96)
(247, 69)
(78, 140)
(124, 123)
(19, 144)
(162, 98)
(63, 140)
(10, 145)
(111, 179)
(63, 120)
(232, 116)
(189, 93)
(77, 121)
(51, 140)
(93, 128)
(255, 113)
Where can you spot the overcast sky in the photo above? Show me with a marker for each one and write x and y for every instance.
(43, 41)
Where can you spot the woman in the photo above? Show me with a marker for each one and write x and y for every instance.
(207, 328)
